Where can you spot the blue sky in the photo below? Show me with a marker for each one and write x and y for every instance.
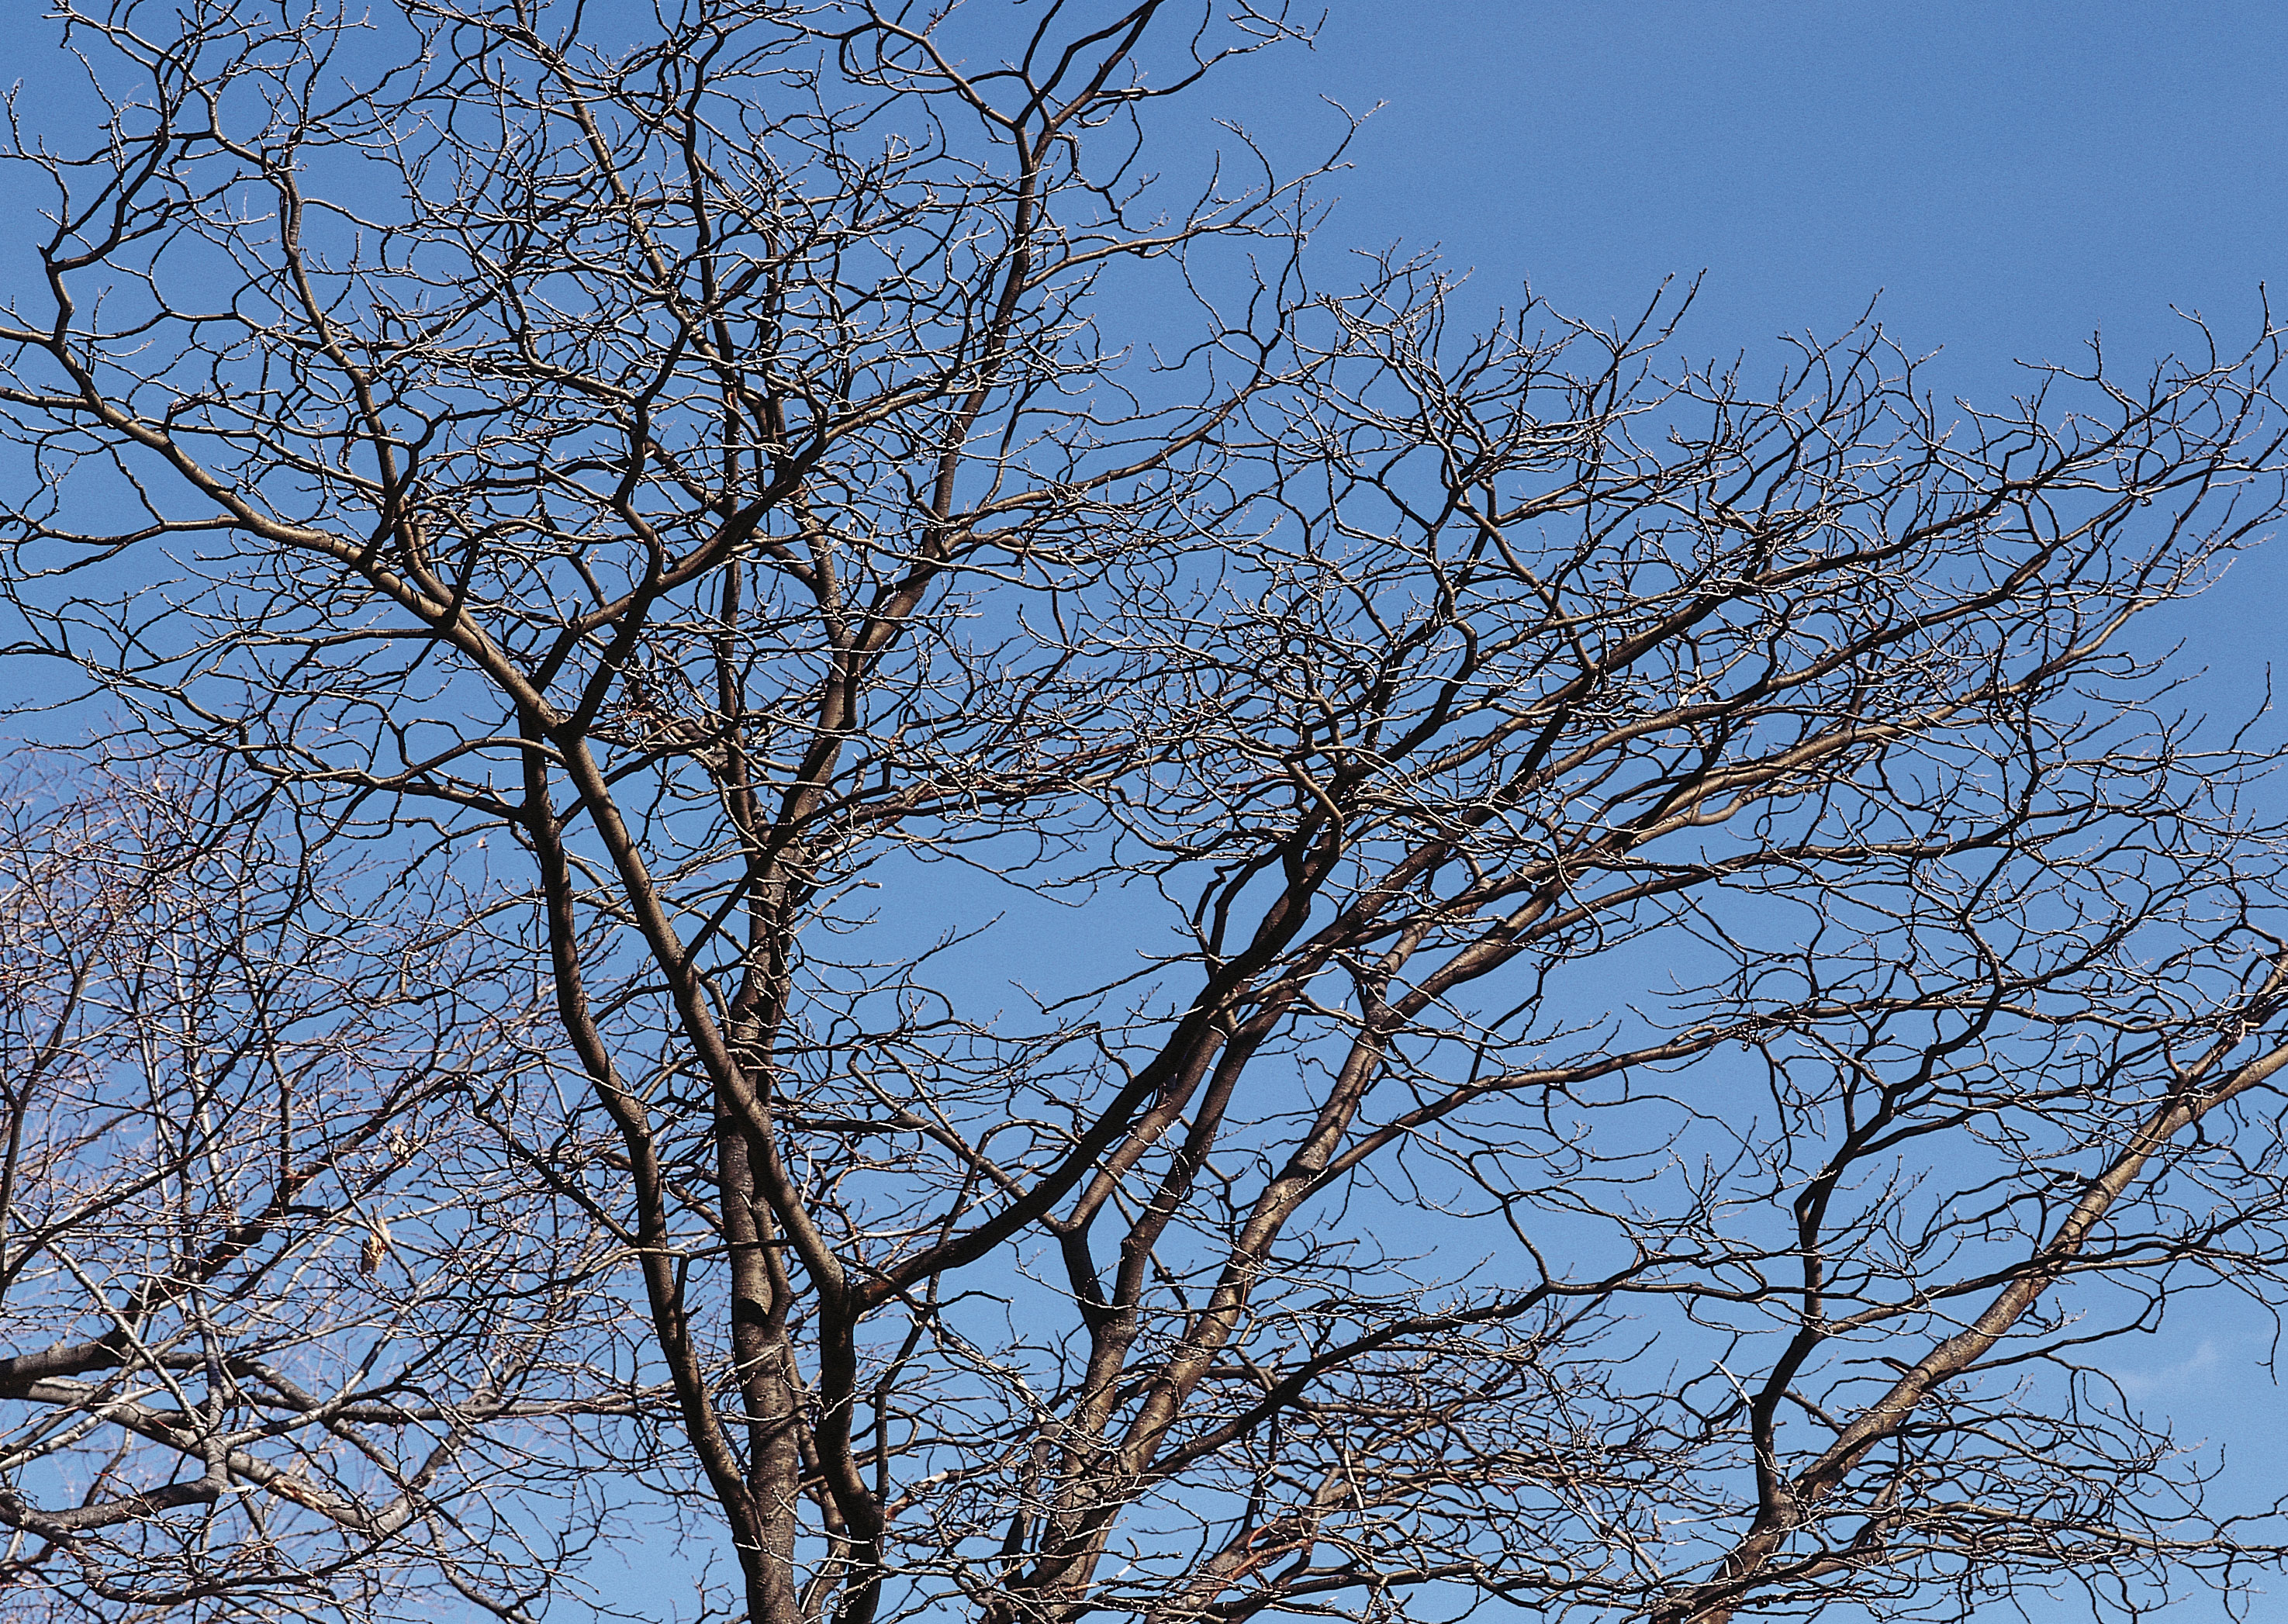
(2008, 177)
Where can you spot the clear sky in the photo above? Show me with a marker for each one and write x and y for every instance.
(2010, 176)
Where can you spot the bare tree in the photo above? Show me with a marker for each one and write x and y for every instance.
(274, 1312)
(1223, 947)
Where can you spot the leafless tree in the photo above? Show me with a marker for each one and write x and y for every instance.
(273, 1311)
(1219, 946)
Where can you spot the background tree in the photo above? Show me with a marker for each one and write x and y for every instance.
(285, 1341)
(1652, 973)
